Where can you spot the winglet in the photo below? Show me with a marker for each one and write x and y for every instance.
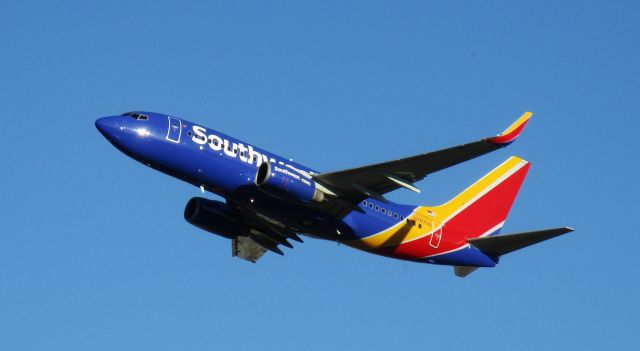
(510, 134)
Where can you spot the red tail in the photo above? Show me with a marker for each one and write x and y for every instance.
(482, 208)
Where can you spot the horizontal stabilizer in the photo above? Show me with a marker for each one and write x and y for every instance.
(503, 244)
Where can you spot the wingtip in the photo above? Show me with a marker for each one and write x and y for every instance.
(510, 134)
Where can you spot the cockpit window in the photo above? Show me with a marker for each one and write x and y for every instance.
(136, 115)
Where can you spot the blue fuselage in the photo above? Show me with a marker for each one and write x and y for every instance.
(227, 167)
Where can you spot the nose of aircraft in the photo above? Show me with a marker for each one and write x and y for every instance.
(107, 126)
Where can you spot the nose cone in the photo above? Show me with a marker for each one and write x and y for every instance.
(107, 126)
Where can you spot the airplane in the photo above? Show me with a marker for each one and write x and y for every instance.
(271, 201)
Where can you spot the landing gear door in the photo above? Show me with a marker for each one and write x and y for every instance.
(175, 129)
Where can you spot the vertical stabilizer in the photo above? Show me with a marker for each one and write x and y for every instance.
(482, 208)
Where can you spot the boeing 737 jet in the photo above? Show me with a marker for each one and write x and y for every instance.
(271, 200)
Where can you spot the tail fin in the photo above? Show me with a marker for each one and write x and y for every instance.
(481, 209)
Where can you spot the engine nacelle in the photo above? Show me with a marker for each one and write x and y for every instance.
(213, 216)
(286, 184)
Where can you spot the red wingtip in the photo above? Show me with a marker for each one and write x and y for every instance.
(510, 134)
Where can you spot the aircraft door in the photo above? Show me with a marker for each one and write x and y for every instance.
(434, 227)
(175, 129)
(436, 237)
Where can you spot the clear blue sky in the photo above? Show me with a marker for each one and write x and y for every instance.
(95, 255)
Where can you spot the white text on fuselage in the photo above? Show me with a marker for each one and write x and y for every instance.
(292, 174)
(245, 153)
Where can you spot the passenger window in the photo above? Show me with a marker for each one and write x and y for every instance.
(395, 216)
(377, 208)
(370, 205)
(364, 203)
(384, 211)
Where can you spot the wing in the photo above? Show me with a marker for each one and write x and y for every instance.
(377, 179)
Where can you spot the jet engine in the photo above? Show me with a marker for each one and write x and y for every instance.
(213, 216)
(287, 184)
